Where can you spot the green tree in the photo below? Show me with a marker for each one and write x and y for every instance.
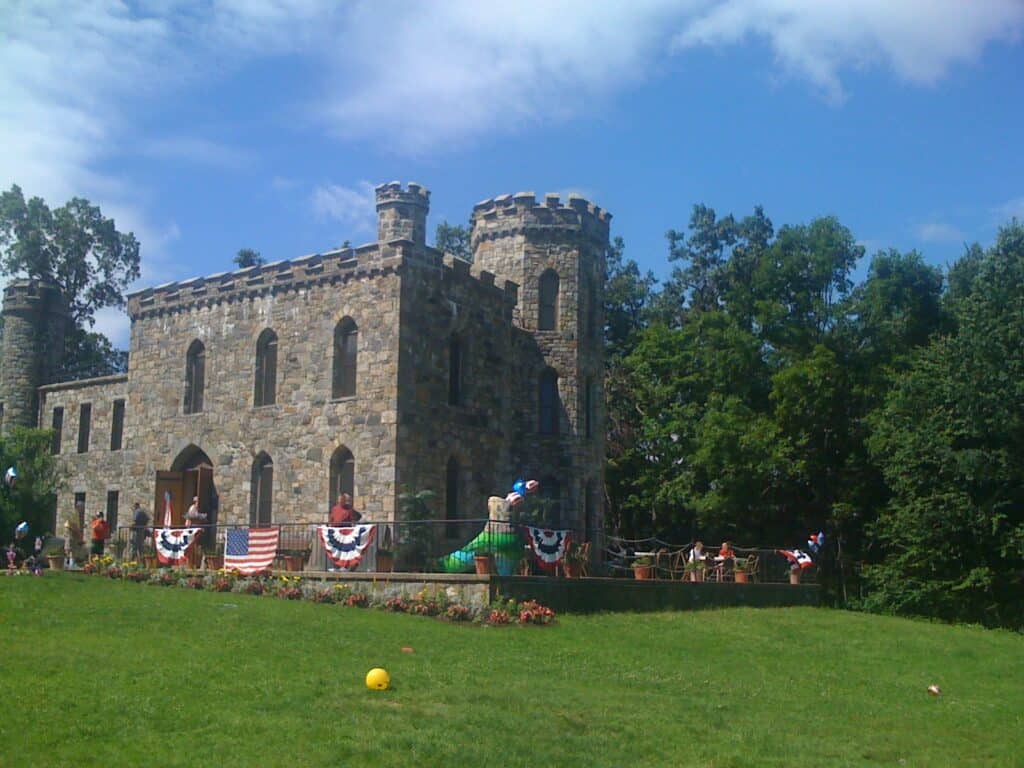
(949, 440)
(247, 257)
(34, 495)
(80, 249)
(453, 239)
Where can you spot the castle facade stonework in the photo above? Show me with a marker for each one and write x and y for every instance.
(377, 369)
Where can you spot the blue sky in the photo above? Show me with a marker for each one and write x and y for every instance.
(207, 126)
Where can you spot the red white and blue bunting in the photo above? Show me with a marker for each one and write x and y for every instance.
(549, 547)
(172, 544)
(345, 546)
(798, 559)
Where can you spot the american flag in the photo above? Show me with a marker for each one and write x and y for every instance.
(250, 550)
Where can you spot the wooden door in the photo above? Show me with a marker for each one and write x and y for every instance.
(173, 483)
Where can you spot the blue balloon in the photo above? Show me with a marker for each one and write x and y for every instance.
(519, 486)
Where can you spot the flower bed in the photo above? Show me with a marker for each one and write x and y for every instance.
(427, 602)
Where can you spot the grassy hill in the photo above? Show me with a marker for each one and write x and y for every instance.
(99, 672)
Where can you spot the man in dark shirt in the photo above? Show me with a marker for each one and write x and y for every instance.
(139, 522)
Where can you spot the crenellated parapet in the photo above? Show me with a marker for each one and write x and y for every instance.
(402, 213)
(521, 213)
(340, 266)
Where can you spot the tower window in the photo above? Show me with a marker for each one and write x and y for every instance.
(343, 474)
(112, 503)
(261, 501)
(547, 317)
(57, 425)
(548, 402)
(266, 369)
(117, 425)
(346, 341)
(195, 377)
(455, 373)
(84, 426)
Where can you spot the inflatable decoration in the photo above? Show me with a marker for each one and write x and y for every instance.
(498, 538)
(21, 531)
(10, 476)
(377, 679)
(531, 486)
(514, 498)
(816, 541)
(172, 544)
(519, 486)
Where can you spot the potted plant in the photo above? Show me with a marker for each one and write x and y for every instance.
(739, 570)
(55, 557)
(794, 574)
(484, 563)
(385, 553)
(694, 570)
(643, 568)
(149, 556)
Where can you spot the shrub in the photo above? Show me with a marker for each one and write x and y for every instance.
(357, 600)
(457, 612)
(532, 612)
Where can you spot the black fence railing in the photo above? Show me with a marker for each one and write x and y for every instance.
(453, 546)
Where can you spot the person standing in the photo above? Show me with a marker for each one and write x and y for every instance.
(100, 533)
(343, 513)
(139, 522)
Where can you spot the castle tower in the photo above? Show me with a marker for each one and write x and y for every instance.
(35, 320)
(556, 253)
(402, 213)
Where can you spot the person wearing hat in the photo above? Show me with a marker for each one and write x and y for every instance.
(100, 533)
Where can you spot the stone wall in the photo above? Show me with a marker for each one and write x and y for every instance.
(35, 319)
(301, 431)
(437, 304)
(98, 470)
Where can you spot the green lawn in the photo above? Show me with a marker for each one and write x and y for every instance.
(96, 672)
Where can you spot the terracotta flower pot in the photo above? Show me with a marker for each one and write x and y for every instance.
(741, 577)
(293, 562)
(643, 572)
(56, 562)
(794, 577)
(484, 564)
(385, 562)
(214, 562)
(152, 561)
(572, 570)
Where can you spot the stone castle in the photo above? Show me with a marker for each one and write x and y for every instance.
(372, 370)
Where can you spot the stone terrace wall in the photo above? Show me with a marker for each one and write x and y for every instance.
(302, 301)
(98, 470)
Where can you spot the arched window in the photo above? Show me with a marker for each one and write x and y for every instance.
(451, 498)
(455, 373)
(547, 316)
(195, 377)
(346, 342)
(261, 503)
(265, 392)
(343, 474)
(548, 405)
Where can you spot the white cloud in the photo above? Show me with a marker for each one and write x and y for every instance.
(113, 323)
(1010, 209)
(355, 207)
(918, 39)
(939, 232)
(198, 150)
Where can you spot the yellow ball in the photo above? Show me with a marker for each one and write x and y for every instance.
(377, 679)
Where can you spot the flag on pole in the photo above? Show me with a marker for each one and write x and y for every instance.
(346, 545)
(172, 544)
(168, 516)
(250, 550)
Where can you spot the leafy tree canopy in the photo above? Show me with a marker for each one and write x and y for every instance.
(247, 257)
(453, 239)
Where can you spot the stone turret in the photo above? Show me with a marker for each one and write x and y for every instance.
(402, 213)
(35, 321)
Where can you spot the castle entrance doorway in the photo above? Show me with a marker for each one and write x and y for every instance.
(190, 476)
